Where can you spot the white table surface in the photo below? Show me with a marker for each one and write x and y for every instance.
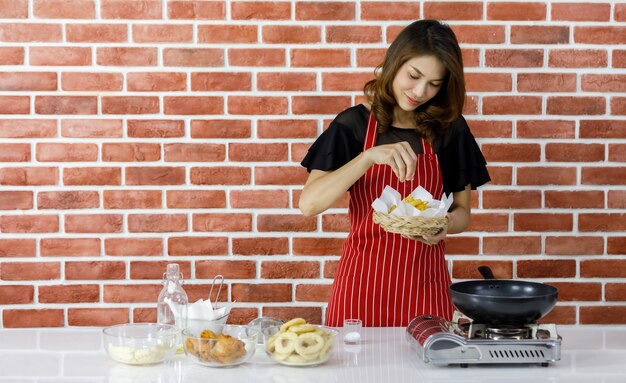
(595, 354)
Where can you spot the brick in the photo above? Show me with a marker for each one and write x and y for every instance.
(330, 269)
(602, 315)
(242, 316)
(66, 105)
(130, 104)
(258, 152)
(602, 268)
(563, 105)
(155, 269)
(615, 291)
(560, 315)
(546, 82)
(193, 57)
(542, 222)
(197, 246)
(603, 175)
(546, 269)
(601, 222)
(310, 314)
(335, 223)
(353, 34)
(489, 222)
(516, 11)
(618, 106)
(260, 10)
(578, 245)
(617, 199)
(28, 81)
(619, 58)
(18, 248)
(275, 199)
(69, 294)
(185, 105)
(280, 175)
(539, 34)
(220, 175)
(68, 200)
(196, 10)
(220, 128)
(196, 199)
(617, 152)
(14, 105)
(514, 58)
(369, 57)
(491, 128)
(603, 83)
(155, 175)
(227, 34)
(222, 222)
(389, 10)
(285, 223)
(602, 129)
(96, 33)
(92, 82)
(260, 246)
(578, 291)
(100, 317)
(253, 105)
(600, 35)
(162, 33)
(312, 58)
(32, 318)
(511, 105)
(458, 10)
(221, 81)
(53, 152)
(157, 223)
(29, 271)
(501, 175)
(156, 81)
(126, 56)
(266, 292)
(620, 12)
(583, 199)
(319, 104)
(16, 294)
(511, 199)
(461, 245)
(489, 82)
(30, 176)
(229, 269)
(30, 32)
(290, 269)
(64, 9)
(130, 293)
(286, 128)
(138, 9)
(70, 247)
(317, 246)
(11, 55)
(580, 12)
(324, 10)
(14, 9)
(469, 269)
(130, 152)
(94, 270)
(291, 34)
(345, 81)
(574, 152)
(133, 246)
(546, 129)
(256, 57)
(512, 245)
(479, 34)
(511, 152)
(194, 152)
(91, 176)
(292, 81)
(156, 128)
(578, 58)
(313, 292)
(93, 223)
(15, 152)
(42, 223)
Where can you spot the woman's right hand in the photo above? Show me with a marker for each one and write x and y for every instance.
(400, 156)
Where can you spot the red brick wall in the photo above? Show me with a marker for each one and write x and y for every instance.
(136, 133)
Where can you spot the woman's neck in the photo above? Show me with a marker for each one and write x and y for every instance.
(403, 119)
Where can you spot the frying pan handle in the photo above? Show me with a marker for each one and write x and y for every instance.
(486, 272)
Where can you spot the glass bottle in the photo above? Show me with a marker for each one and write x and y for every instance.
(173, 301)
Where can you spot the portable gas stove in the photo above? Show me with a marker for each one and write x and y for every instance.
(441, 342)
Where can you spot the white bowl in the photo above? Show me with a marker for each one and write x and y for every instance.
(141, 343)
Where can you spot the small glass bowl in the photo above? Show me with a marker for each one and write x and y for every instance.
(141, 343)
(228, 345)
(300, 350)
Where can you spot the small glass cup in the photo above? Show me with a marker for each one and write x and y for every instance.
(352, 331)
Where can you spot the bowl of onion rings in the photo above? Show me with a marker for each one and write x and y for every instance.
(297, 343)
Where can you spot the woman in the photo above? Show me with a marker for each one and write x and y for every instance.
(409, 134)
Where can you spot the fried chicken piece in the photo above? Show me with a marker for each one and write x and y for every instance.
(227, 349)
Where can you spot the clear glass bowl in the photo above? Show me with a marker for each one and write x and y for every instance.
(217, 345)
(141, 343)
(300, 350)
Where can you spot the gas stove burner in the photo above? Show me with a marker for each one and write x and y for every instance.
(441, 342)
(508, 333)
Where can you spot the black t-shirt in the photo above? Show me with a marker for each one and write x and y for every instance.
(460, 158)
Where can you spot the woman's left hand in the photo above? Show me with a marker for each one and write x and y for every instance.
(430, 239)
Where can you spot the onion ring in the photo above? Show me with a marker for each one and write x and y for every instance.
(285, 342)
(309, 343)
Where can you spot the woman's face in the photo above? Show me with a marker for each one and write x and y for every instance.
(417, 81)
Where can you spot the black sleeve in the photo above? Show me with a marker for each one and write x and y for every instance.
(337, 145)
(462, 163)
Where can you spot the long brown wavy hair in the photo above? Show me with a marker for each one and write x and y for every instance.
(421, 38)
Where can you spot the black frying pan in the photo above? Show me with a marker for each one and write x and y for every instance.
(503, 301)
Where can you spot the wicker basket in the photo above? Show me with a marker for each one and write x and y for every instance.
(411, 226)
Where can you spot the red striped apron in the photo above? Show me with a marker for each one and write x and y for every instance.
(385, 279)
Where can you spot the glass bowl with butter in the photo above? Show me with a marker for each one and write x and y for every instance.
(141, 343)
